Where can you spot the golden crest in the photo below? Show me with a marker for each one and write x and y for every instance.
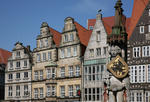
(118, 67)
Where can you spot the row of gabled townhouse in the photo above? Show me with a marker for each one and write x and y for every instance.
(52, 71)
(57, 67)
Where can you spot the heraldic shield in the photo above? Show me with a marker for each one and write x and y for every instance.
(118, 67)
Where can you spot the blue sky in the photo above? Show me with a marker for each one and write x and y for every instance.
(20, 20)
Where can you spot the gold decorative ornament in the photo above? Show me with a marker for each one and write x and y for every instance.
(118, 67)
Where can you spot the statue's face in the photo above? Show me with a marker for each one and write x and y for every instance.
(114, 50)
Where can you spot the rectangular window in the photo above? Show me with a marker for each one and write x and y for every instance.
(77, 70)
(17, 75)
(11, 65)
(93, 94)
(46, 42)
(144, 74)
(53, 91)
(77, 88)
(147, 97)
(90, 98)
(25, 63)
(66, 38)
(41, 93)
(105, 50)
(85, 91)
(98, 51)
(148, 73)
(53, 73)
(18, 64)
(48, 73)
(48, 90)
(49, 55)
(35, 93)
(10, 91)
(62, 53)
(71, 37)
(10, 76)
(36, 75)
(44, 56)
(62, 72)
(26, 90)
(98, 93)
(17, 90)
(18, 54)
(62, 91)
(141, 29)
(41, 74)
(70, 91)
(25, 74)
(75, 51)
(136, 52)
(132, 97)
(91, 52)
(41, 43)
(98, 35)
(70, 71)
(144, 51)
(68, 52)
(38, 57)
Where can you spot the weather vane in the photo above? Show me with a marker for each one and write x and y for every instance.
(99, 11)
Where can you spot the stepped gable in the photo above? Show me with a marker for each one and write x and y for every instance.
(4, 55)
(84, 34)
(56, 36)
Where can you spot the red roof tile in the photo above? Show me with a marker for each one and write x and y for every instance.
(56, 36)
(138, 8)
(84, 34)
(108, 23)
(4, 55)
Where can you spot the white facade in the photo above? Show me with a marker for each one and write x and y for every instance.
(18, 74)
(95, 59)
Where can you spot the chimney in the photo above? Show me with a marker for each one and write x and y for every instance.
(99, 15)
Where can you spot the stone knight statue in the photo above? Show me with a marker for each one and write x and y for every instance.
(117, 80)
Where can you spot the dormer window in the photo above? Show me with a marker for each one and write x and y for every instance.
(65, 38)
(98, 35)
(141, 29)
(71, 37)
